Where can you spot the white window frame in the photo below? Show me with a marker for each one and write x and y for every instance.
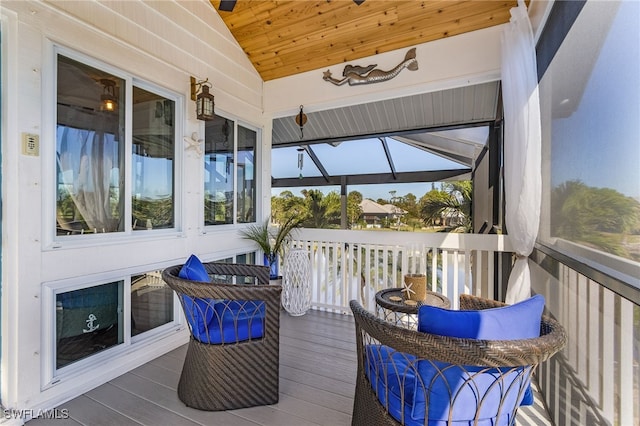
(48, 151)
(51, 375)
(257, 175)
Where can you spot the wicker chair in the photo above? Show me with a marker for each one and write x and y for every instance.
(414, 378)
(233, 356)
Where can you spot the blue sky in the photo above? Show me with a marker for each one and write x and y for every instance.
(362, 156)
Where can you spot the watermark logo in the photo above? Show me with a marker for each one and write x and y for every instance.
(53, 414)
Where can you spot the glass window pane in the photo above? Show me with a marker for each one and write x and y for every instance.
(151, 302)
(591, 173)
(218, 171)
(246, 175)
(89, 148)
(152, 200)
(246, 259)
(352, 157)
(88, 321)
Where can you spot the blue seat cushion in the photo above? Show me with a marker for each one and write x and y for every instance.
(224, 321)
(512, 322)
(407, 386)
(217, 321)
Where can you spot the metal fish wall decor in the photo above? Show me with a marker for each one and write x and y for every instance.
(355, 74)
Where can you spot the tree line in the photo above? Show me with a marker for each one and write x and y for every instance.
(601, 218)
(319, 210)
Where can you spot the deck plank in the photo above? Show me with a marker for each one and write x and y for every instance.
(88, 411)
(167, 398)
(316, 395)
(159, 375)
(136, 408)
(317, 376)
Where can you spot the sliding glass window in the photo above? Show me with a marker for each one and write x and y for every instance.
(229, 172)
(90, 149)
(154, 135)
(246, 175)
(92, 195)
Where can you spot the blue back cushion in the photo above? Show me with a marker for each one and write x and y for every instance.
(518, 321)
(220, 321)
(194, 270)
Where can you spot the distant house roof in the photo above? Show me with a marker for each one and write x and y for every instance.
(394, 209)
(370, 207)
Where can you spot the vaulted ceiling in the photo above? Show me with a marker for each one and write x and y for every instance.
(283, 38)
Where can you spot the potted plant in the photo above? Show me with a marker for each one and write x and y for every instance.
(271, 240)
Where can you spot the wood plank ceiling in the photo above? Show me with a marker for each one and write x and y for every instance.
(283, 38)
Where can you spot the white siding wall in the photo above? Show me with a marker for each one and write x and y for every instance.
(152, 41)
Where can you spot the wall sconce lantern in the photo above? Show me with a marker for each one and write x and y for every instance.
(204, 99)
(108, 99)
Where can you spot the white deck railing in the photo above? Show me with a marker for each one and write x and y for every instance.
(597, 379)
(350, 265)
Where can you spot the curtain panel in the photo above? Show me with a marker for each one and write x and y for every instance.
(522, 147)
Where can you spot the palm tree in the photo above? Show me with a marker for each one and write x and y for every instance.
(453, 200)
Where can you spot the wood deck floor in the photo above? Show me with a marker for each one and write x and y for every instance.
(317, 382)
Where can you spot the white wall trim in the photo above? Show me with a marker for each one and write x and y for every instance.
(10, 152)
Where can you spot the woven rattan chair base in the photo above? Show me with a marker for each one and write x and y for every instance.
(234, 375)
(228, 377)
(367, 410)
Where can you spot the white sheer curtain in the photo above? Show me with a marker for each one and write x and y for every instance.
(86, 160)
(522, 140)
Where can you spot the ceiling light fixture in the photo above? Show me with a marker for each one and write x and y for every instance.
(204, 100)
(108, 99)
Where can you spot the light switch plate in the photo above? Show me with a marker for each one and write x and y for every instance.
(30, 144)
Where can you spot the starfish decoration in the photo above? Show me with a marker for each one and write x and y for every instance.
(409, 290)
(194, 143)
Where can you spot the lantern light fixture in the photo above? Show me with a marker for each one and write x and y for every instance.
(108, 99)
(204, 100)
(301, 120)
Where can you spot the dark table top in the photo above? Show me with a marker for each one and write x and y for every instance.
(388, 299)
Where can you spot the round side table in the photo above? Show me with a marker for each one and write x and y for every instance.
(392, 306)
